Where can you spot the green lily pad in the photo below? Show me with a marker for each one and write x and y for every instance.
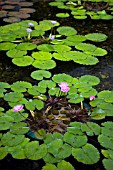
(42, 55)
(88, 154)
(61, 48)
(15, 53)
(108, 164)
(23, 61)
(66, 30)
(34, 151)
(80, 16)
(62, 15)
(20, 86)
(96, 37)
(92, 80)
(13, 96)
(19, 128)
(26, 46)
(3, 152)
(40, 74)
(7, 46)
(9, 139)
(45, 47)
(62, 78)
(44, 64)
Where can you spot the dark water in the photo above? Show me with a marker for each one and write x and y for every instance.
(104, 70)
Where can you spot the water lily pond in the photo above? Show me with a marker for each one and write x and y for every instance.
(56, 85)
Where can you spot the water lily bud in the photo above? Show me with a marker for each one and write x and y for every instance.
(92, 98)
(53, 22)
(52, 37)
(17, 108)
(29, 30)
(30, 24)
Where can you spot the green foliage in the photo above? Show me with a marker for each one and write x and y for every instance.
(88, 154)
(40, 74)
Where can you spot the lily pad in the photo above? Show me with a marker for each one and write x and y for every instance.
(11, 19)
(88, 154)
(15, 53)
(20, 86)
(97, 37)
(62, 15)
(26, 46)
(45, 47)
(42, 55)
(7, 46)
(40, 74)
(23, 61)
(66, 30)
(44, 64)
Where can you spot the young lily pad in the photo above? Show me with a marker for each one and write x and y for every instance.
(62, 15)
(97, 37)
(42, 55)
(66, 30)
(15, 53)
(20, 86)
(7, 46)
(26, 46)
(23, 61)
(44, 64)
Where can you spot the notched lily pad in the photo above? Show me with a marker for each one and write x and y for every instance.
(44, 64)
(39, 74)
(26, 46)
(66, 30)
(97, 37)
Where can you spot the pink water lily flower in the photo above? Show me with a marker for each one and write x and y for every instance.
(92, 98)
(64, 87)
(18, 108)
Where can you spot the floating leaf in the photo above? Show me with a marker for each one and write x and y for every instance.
(7, 46)
(40, 74)
(19, 128)
(62, 78)
(9, 139)
(11, 19)
(108, 164)
(20, 86)
(106, 130)
(15, 53)
(13, 96)
(45, 47)
(88, 154)
(62, 15)
(26, 46)
(49, 167)
(34, 151)
(105, 141)
(75, 140)
(3, 152)
(66, 30)
(42, 55)
(44, 64)
(97, 37)
(23, 61)
(92, 80)
(65, 165)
